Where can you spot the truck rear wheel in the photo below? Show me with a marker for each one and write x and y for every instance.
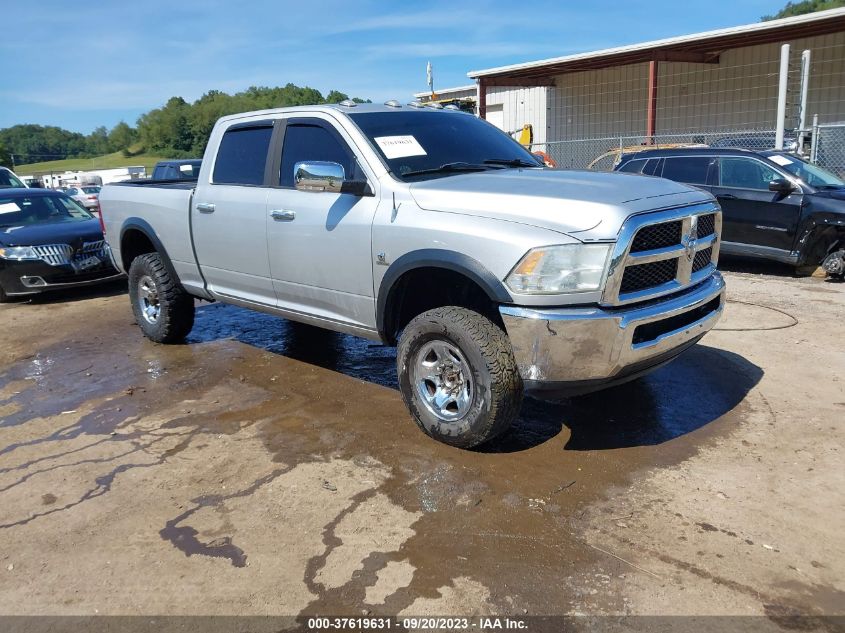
(458, 376)
(162, 308)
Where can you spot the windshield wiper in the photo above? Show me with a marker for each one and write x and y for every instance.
(447, 168)
(511, 162)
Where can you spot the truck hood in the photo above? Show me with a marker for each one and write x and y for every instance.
(594, 204)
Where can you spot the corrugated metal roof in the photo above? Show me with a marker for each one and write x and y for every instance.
(818, 23)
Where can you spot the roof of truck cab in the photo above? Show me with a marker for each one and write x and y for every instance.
(333, 107)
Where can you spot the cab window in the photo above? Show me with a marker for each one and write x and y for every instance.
(242, 156)
(313, 142)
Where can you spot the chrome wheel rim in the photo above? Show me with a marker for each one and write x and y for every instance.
(148, 301)
(443, 380)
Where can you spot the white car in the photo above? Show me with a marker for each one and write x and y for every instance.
(86, 195)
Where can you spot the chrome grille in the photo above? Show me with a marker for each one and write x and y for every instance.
(643, 276)
(64, 254)
(54, 254)
(663, 252)
(706, 225)
(657, 236)
(702, 258)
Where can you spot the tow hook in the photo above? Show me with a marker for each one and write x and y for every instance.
(834, 264)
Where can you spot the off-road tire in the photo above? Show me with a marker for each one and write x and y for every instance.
(497, 395)
(176, 307)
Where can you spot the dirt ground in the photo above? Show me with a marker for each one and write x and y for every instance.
(265, 468)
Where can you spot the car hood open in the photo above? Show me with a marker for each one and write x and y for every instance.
(591, 204)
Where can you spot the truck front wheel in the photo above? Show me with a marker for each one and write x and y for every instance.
(162, 308)
(458, 376)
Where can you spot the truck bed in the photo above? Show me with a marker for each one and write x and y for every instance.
(159, 207)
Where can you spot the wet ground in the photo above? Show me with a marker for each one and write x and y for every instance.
(269, 468)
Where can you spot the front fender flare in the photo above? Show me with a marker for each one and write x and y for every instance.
(436, 258)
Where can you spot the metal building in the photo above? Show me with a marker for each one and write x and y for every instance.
(689, 88)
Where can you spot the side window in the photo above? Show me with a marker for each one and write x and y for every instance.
(650, 168)
(633, 166)
(689, 169)
(242, 156)
(305, 142)
(745, 173)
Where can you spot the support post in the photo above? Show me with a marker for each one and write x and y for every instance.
(805, 85)
(482, 98)
(782, 85)
(651, 122)
(814, 140)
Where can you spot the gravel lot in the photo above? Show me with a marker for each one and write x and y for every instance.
(266, 468)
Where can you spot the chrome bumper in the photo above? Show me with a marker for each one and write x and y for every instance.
(595, 345)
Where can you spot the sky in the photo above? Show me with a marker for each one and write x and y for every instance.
(79, 66)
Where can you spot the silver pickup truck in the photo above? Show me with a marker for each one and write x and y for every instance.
(431, 230)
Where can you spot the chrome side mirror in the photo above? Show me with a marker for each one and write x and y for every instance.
(318, 176)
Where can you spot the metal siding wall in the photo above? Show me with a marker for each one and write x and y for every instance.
(597, 103)
(521, 106)
(738, 93)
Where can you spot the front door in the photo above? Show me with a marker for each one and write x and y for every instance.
(751, 214)
(320, 242)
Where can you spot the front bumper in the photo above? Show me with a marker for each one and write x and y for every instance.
(577, 350)
(30, 277)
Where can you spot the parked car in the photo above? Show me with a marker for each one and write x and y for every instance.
(775, 205)
(610, 159)
(187, 169)
(9, 179)
(436, 231)
(49, 241)
(86, 195)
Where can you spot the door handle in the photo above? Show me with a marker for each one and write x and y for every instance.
(726, 196)
(205, 207)
(282, 215)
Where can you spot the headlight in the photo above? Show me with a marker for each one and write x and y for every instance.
(18, 252)
(560, 269)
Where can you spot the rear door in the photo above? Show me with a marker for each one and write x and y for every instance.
(229, 216)
(751, 213)
(698, 171)
(320, 242)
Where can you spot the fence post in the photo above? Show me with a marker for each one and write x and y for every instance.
(805, 85)
(814, 139)
(782, 85)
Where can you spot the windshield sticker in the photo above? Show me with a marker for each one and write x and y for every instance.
(9, 207)
(400, 146)
(783, 161)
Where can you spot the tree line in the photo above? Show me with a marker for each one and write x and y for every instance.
(178, 129)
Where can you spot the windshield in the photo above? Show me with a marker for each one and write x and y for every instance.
(7, 179)
(29, 210)
(813, 175)
(91, 189)
(417, 145)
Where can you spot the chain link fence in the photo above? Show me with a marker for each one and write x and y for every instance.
(828, 148)
(603, 153)
(824, 145)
